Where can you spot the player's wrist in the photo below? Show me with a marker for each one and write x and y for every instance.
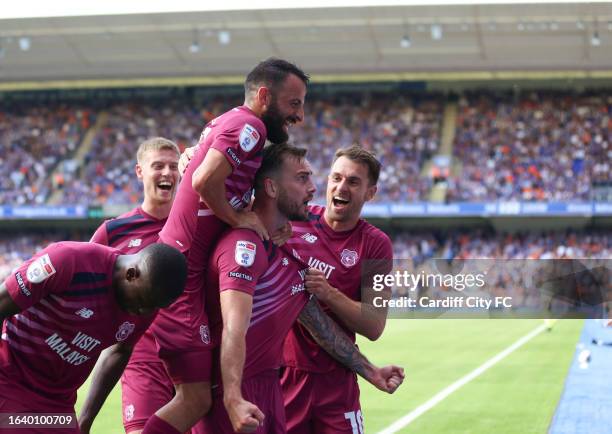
(232, 396)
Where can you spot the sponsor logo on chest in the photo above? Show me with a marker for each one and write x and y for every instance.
(317, 264)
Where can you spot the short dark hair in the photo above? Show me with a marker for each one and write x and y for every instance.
(167, 269)
(271, 73)
(359, 155)
(273, 159)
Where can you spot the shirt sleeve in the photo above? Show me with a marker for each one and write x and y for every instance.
(379, 259)
(240, 140)
(241, 261)
(100, 236)
(45, 273)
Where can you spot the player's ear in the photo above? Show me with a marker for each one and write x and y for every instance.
(264, 97)
(138, 169)
(371, 192)
(270, 187)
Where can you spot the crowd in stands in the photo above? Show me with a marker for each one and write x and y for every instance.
(530, 146)
(33, 140)
(402, 130)
(534, 147)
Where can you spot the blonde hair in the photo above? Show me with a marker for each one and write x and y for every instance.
(156, 144)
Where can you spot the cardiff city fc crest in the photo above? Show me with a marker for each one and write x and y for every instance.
(204, 334)
(348, 257)
(124, 331)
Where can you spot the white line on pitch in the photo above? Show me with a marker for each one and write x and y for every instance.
(405, 420)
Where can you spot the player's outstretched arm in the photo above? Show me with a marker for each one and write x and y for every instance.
(107, 372)
(236, 308)
(7, 305)
(332, 339)
(359, 317)
(209, 182)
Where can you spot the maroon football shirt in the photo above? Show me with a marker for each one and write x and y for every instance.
(342, 256)
(69, 316)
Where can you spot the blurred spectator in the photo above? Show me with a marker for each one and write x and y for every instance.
(537, 147)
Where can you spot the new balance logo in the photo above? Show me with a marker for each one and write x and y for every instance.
(135, 242)
(85, 313)
(309, 238)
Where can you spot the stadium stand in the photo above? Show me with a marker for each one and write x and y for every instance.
(33, 141)
(537, 146)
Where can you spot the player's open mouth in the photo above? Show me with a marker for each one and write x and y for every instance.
(339, 201)
(165, 185)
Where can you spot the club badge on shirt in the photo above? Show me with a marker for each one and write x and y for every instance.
(248, 138)
(125, 330)
(348, 257)
(40, 269)
(244, 255)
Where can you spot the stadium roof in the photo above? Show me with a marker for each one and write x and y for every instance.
(413, 41)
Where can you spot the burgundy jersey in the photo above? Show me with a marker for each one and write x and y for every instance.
(341, 256)
(69, 315)
(242, 261)
(130, 233)
(239, 135)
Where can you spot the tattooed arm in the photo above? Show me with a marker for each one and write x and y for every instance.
(332, 339)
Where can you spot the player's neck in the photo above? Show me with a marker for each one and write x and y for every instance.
(338, 225)
(270, 216)
(254, 107)
(159, 211)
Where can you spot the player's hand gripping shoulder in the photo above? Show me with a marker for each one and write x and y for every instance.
(250, 220)
(332, 339)
(186, 157)
(282, 235)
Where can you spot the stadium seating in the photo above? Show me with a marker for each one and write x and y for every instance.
(34, 139)
(538, 146)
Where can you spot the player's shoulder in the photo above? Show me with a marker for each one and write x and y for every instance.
(242, 116)
(129, 217)
(233, 236)
(78, 250)
(375, 236)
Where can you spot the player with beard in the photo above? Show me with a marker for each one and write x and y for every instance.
(145, 385)
(255, 292)
(340, 249)
(215, 189)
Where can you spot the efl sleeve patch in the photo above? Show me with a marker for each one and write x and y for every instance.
(249, 136)
(40, 269)
(244, 254)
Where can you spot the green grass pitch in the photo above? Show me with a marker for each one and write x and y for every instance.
(517, 395)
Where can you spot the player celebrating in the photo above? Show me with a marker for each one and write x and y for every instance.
(64, 306)
(215, 187)
(336, 243)
(145, 384)
(261, 293)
